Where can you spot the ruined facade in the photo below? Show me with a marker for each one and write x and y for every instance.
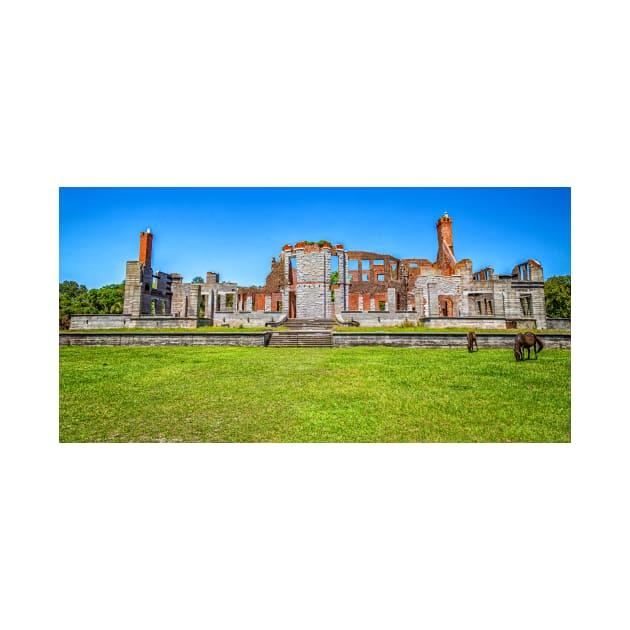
(326, 281)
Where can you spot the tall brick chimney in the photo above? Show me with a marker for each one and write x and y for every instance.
(146, 243)
(446, 255)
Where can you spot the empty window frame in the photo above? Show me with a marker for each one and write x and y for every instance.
(524, 272)
(380, 277)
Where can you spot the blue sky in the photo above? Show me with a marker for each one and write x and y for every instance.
(236, 231)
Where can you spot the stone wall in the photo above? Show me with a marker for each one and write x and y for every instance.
(401, 318)
(103, 322)
(441, 340)
(488, 323)
(162, 339)
(313, 279)
(254, 319)
(558, 323)
(380, 318)
(98, 322)
(340, 340)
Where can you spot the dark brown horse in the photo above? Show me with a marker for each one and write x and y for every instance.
(471, 339)
(527, 341)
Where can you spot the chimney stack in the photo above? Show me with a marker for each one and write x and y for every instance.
(146, 243)
(446, 255)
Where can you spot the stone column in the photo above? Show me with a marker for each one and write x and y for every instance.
(391, 300)
(267, 303)
(360, 307)
(497, 300)
(372, 304)
(193, 300)
(133, 289)
(419, 297)
(285, 300)
(432, 296)
(538, 308)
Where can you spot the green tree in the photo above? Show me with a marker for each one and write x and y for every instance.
(76, 299)
(558, 296)
(334, 277)
(71, 295)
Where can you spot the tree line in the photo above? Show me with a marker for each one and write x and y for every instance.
(558, 296)
(77, 299)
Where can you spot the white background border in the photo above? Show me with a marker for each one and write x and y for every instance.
(312, 536)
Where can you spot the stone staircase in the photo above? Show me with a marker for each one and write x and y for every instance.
(309, 325)
(304, 333)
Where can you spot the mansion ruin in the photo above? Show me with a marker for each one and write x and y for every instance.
(324, 281)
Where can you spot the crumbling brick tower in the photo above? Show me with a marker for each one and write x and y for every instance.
(446, 256)
(146, 293)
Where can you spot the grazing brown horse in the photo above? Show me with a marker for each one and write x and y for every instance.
(527, 341)
(471, 339)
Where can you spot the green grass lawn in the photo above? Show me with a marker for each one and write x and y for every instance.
(364, 394)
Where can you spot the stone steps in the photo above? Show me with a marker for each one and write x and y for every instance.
(310, 324)
(285, 339)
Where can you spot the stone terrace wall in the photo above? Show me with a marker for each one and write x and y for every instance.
(489, 323)
(440, 340)
(380, 318)
(398, 318)
(558, 323)
(340, 340)
(98, 322)
(103, 322)
(162, 339)
(252, 319)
